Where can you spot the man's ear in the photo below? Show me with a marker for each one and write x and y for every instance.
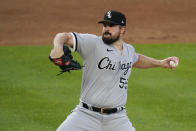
(123, 29)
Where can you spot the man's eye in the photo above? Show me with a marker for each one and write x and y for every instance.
(110, 25)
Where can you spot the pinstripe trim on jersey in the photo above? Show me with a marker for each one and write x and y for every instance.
(75, 44)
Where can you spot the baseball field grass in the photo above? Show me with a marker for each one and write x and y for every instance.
(33, 98)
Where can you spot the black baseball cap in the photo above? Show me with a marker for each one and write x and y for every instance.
(114, 17)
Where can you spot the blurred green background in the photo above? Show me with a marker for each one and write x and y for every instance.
(33, 98)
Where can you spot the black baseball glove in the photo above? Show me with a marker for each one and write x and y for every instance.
(66, 62)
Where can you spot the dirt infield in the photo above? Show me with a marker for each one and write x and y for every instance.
(148, 21)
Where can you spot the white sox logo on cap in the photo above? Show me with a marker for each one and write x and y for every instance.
(114, 17)
(109, 14)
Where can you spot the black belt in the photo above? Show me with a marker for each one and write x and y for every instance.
(102, 110)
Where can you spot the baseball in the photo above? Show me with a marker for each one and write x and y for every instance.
(173, 64)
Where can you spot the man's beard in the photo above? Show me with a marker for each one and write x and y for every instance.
(109, 41)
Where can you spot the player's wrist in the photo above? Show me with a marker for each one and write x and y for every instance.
(158, 63)
(56, 54)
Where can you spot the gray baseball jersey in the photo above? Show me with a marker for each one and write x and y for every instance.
(106, 71)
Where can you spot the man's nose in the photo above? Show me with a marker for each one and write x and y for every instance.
(107, 28)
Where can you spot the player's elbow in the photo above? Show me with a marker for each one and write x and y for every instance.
(64, 38)
(61, 36)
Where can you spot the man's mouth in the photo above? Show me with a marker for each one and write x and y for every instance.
(107, 33)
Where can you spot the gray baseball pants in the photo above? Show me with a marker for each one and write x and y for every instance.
(82, 119)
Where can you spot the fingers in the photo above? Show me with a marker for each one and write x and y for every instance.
(173, 58)
(166, 63)
(173, 62)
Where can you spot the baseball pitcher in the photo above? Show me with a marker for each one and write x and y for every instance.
(107, 64)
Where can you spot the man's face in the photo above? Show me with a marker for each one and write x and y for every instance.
(110, 33)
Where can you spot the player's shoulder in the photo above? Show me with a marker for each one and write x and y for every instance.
(129, 46)
(87, 35)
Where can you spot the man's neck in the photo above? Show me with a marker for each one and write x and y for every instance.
(119, 45)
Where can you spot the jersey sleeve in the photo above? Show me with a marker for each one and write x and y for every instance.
(134, 54)
(135, 57)
(84, 44)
